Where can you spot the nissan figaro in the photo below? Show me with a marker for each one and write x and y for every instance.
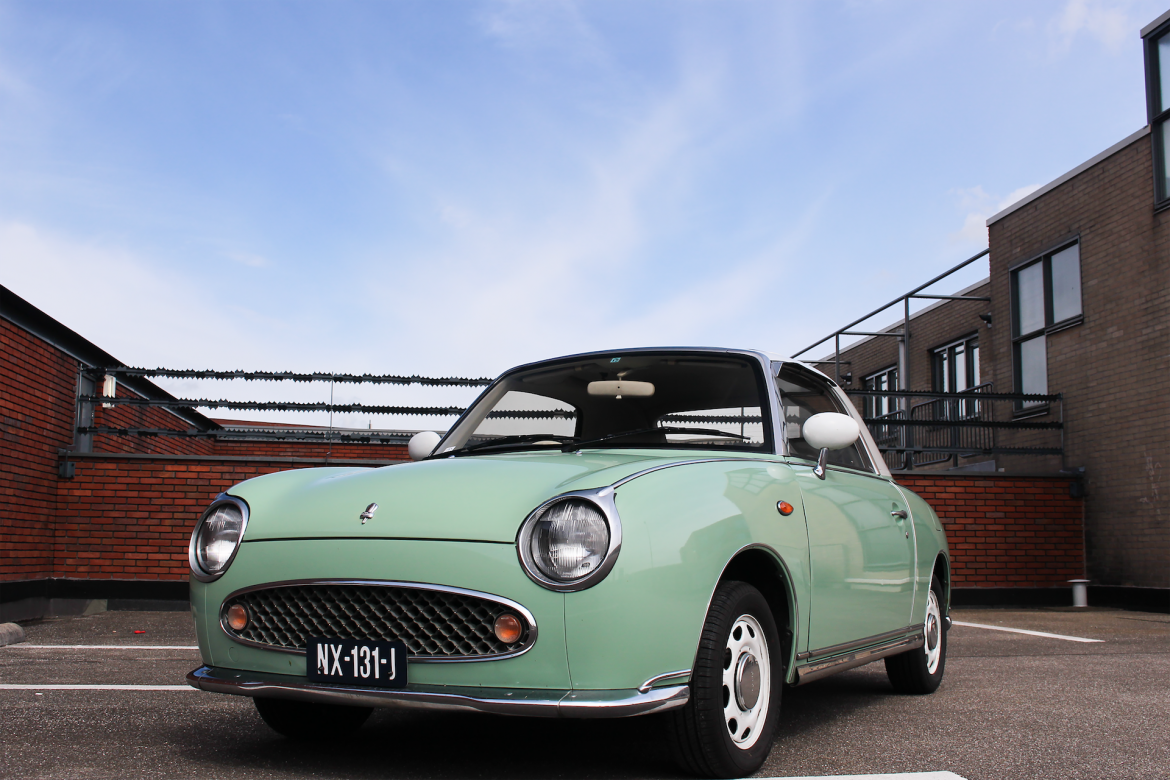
(683, 531)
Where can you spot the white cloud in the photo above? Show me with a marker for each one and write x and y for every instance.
(249, 259)
(980, 205)
(1106, 20)
(130, 305)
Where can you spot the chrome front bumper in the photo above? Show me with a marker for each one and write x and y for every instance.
(502, 701)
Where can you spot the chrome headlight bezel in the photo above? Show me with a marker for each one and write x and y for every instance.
(603, 500)
(197, 570)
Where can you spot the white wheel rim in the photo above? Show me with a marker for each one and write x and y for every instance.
(932, 631)
(747, 680)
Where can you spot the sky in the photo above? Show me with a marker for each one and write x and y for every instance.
(455, 188)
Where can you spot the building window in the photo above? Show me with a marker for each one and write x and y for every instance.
(1158, 107)
(1046, 297)
(879, 405)
(955, 367)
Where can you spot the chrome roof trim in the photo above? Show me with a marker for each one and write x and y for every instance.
(530, 639)
(501, 701)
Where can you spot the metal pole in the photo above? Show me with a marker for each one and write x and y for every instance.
(837, 359)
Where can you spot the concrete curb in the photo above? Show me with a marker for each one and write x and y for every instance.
(10, 634)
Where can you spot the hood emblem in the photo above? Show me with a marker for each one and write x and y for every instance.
(369, 513)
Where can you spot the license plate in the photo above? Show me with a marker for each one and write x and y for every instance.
(357, 662)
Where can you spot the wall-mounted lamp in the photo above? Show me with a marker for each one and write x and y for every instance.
(986, 319)
(847, 378)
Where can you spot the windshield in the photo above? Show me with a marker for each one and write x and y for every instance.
(660, 400)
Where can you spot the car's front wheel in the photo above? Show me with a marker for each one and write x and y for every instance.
(727, 727)
(309, 720)
(921, 671)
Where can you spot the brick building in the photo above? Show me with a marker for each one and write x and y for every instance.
(1079, 305)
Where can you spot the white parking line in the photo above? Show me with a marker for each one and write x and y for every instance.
(898, 776)
(105, 647)
(16, 687)
(1026, 631)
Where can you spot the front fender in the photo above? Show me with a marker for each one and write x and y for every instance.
(681, 527)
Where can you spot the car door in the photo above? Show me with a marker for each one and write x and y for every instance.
(861, 548)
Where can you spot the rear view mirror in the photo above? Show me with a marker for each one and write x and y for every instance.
(620, 387)
(829, 431)
(422, 444)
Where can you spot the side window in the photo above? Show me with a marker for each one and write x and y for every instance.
(803, 394)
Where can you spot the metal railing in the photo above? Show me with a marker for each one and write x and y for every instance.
(902, 335)
(931, 428)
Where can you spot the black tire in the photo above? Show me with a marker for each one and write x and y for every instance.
(309, 720)
(700, 732)
(910, 672)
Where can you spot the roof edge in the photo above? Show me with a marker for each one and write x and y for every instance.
(29, 318)
(1149, 28)
(1112, 150)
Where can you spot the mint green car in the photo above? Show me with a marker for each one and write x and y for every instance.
(677, 531)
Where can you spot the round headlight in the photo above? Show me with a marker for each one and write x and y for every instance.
(217, 536)
(569, 540)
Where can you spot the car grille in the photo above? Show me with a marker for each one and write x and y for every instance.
(432, 623)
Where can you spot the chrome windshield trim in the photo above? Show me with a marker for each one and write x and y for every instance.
(529, 641)
(815, 670)
(501, 701)
(668, 676)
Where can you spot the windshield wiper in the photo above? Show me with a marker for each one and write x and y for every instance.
(508, 441)
(576, 445)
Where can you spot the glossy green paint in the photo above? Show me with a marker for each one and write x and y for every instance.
(931, 541)
(454, 521)
(485, 567)
(680, 528)
(861, 557)
(482, 498)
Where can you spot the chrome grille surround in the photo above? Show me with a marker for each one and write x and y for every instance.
(437, 623)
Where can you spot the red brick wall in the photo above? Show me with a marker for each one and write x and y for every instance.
(131, 518)
(1006, 531)
(37, 390)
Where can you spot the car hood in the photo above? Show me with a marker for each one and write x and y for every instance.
(480, 498)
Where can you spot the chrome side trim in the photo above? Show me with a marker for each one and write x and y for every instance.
(668, 676)
(529, 640)
(845, 647)
(815, 670)
(193, 560)
(502, 701)
(603, 499)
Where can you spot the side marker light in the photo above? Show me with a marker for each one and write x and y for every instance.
(237, 617)
(785, 508)
(508, 628)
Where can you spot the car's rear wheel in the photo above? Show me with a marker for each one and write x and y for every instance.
(921, 670)
(727, 727)
(309, 720)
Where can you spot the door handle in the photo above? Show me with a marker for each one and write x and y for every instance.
(899, 513)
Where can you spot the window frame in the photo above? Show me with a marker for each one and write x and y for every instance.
(1155, 117)
(871, 401)
(971, 362)
(1048, 326)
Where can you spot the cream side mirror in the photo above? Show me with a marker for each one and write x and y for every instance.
(829, 431)
(422, 444)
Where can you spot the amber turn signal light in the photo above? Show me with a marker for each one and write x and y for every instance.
(784, 508)
(237, 617)
(508, 628)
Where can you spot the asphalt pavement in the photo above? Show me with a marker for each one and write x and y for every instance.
(1012, 705)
